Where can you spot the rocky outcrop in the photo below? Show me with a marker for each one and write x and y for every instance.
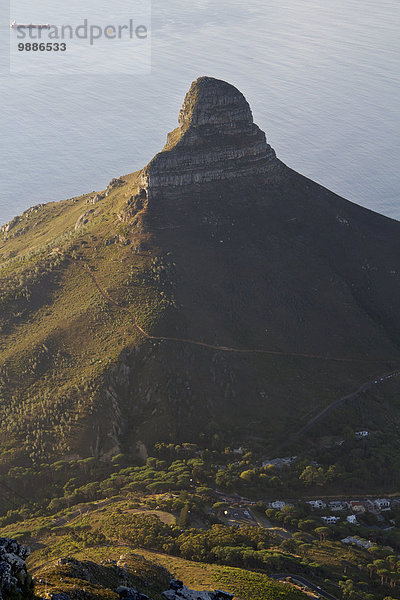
(114, 183)
(216, 140)
(129, 593)
(13, 573)
(95, 199)
(8, 226)
(178, 591)
(72, 579)
(83, 219)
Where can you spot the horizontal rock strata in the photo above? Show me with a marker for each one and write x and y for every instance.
(216, 140)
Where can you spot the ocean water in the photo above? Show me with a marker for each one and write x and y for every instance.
(321, 77)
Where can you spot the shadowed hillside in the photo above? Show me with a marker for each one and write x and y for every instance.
(215, 241)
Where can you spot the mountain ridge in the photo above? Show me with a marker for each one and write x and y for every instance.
(215, 241)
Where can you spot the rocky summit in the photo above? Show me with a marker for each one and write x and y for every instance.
(216, 140)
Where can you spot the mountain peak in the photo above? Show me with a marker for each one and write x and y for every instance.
(216, 139)
(218, 104)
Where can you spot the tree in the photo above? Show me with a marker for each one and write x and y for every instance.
(288, 545)
(304, 548)
(306, 524)
(384, 574)
(184, 517)
(322, 532)
(248, 475)
(380, 564)
(333, 473)
(300, 537)
(56, 504)
(313, 476)
(347, 588)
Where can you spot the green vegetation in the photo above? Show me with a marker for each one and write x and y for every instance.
(246, 585)
(116, 444)
(59, 337)
(255, 586)
(153, 526)
(100, 574)
(77, 380)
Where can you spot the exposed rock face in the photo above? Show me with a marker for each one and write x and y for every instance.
(178, 591)
(216, 140)
(83, 219)
(127, 593)
(13, 573)
(8, 226)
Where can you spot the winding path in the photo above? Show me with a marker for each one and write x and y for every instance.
(321, 415)
(144, 333)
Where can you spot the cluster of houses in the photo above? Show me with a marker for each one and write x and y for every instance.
(356, 507)
(287, 461)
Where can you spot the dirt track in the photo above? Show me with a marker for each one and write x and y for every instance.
(363, 388)
(144, 333)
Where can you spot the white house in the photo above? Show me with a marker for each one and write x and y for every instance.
(382, 503)
(337, 505)
(239, 451)
(361, 434)
(356, 506)
(331, 520)
(279, 462)
(316, 504)
(352, 519)
(278, 504)
(357, 542)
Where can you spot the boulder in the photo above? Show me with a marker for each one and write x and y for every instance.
(12, 565)
(128, 593)
(179, 591)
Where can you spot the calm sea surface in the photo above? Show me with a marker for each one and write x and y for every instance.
(322, 78)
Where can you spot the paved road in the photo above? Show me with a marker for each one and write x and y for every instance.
(266, 523)
(303, 581)
(361, 390)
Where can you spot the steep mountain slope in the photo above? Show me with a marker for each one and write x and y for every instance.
(215, 241)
